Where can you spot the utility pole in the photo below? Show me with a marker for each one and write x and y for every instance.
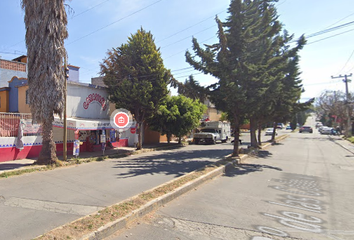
(65, 139)
(348, 132)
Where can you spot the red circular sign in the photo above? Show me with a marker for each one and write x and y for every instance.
(121, 120)
(133, 130)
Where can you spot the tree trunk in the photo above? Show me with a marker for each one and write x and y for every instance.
(179, 140)
(260, 134)
(47, 155)
(168, 135)
(236, 140)
(140, 136)
(274, 131)
(253, 128)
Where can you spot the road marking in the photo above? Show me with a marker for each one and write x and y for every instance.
(51, 206)
(292, 206)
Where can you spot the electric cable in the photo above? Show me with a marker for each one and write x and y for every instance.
(110, 24)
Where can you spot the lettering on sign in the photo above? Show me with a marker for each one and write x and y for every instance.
(95, 97)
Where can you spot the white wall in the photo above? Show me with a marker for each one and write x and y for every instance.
(79, 103)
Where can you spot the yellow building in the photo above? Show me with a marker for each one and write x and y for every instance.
(4, 99)
(23, 106)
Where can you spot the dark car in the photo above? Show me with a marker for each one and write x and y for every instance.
(306, 129)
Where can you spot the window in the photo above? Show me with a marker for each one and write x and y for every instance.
(27, 97)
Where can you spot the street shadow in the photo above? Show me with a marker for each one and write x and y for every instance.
(8, 166)
(263, 154)
(243, 169)
(170, 163)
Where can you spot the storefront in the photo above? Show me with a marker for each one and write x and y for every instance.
(89, 132)
(88, 117)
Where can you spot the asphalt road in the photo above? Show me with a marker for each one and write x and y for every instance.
(300, 188)
(35, 203)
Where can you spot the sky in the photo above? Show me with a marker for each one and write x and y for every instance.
(96, 26)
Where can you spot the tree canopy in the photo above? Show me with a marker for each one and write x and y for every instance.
(136, 77)
(178, 116)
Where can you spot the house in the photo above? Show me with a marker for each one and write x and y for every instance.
(10, 68)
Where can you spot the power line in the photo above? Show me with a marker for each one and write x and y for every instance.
(89, 9)
(188, 48)
(346, 62)
(188, 36)
(330, 37)
(108, 25)
(189, 27)
(330, 29)
(341, 19)
(322, 83)
(181, 69)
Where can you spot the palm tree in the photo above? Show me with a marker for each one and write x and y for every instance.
(46, 30)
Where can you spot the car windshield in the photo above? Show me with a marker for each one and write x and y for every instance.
(208, 130)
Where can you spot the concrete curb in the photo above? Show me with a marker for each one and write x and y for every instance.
(119, 224)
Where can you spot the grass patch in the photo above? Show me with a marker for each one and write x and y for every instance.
(350, 139)
(24, 171)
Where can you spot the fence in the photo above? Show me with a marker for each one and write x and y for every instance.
(9, 123)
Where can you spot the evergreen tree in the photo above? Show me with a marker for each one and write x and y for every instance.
(192, 89)
(239, 61)
(136, 77)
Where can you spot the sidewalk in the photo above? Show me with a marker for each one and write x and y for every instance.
(343, 143)
(29, 163)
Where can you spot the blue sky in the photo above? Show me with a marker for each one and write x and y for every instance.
(98, 25)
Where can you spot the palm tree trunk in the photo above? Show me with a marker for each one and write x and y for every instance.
(48, 153)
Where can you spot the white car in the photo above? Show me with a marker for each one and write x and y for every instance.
(269, 131)
(326, 130)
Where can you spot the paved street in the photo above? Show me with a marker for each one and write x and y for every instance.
(301, 188)
(35, 203)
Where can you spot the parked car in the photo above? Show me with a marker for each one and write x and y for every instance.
(269, 131)
(288, 127)
(326, 130)
(306, 129)
(280, 126)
